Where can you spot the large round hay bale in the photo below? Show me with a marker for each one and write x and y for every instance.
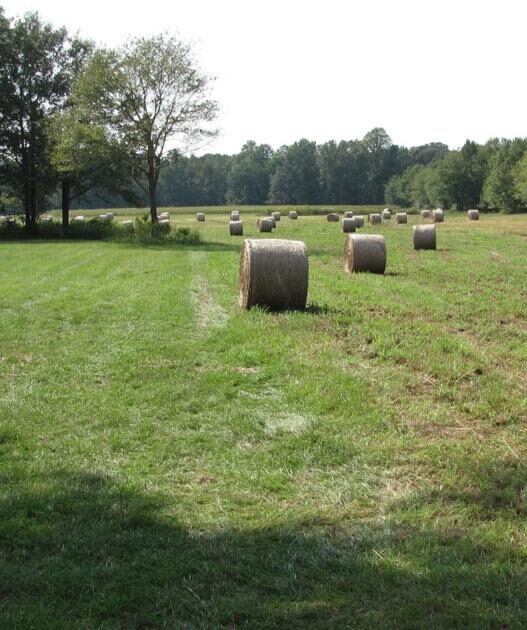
(164, 215)
(276, 216)
(293, 214)
(348, 224)
(235, 228)
(235, 215)
(359, 220)
(365, 252)
(473, 215)
(401, 217)
(128, 225)
(200, 216)
(386, 214)
(375, 218)
(80, 218)
(333, 216)
(164, 225)
(424, 236)
(438, 215)
(265, 224)
(273, 273)
(425, 214)
(348, 214)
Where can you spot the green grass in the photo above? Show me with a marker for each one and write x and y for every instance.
(168, 460)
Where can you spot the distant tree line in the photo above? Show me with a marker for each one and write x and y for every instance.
(82, 126)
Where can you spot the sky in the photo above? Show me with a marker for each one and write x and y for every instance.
(426, 71)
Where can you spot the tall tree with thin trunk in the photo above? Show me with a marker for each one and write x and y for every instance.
(152, 97)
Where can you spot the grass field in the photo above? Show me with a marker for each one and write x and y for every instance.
(168, 460)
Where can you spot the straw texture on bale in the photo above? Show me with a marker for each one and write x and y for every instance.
(235, 228)
(332, 216)
(425, 214)
(365, 252)
(359, 220)
(386, 214)
(265, 224)
(348, 224)
(273, 273)
(293, 214)
(473, 215)
(401, 217)
(438, 215)
(424, 236)
(276, 216)
(374, 218)
(348, 214)
(200, 216)
(235, 215)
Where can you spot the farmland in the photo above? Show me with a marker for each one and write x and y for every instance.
(169, 460)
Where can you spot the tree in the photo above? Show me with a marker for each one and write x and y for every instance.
(149, 95)
(38, 65)
(249, 177)
(500, 190)
(297, 175)
(84, 157)
(519, 174)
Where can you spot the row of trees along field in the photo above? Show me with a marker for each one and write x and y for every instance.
(82, 126)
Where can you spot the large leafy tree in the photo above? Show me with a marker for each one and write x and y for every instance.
(38, 64)
(296, 176)
(249, 176)
(151, 96)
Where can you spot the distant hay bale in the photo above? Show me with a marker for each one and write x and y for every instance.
(438, 215)
(375, 218)
(235, 215)
(473, 215)
(164, 215)
(273, 273)
(348, 224)
(348, 214)
(359, 220)
(235, 228)
(425, 214)
(200, 216)
(293, 214)
(401, 217)
(46, 219)
(265, 224)
(365, 252)
(386, 214)
(272, 219)
(106, 217)
(109, 216)
(79, 218)
(333, 216)
(164, 225)
(424, 236)
(276, 216)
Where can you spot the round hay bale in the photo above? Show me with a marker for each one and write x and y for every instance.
(359, 220)
(386, 214)
(348, 214)
(473, 215)
(293, 214)
(235, 228)
(273, 273)
(79, 219)
(128, 225)
(200, 216)
(265, 224)
(365, 252)
(333, 216)
(424, 236)
(276, 216)
(425, 214)
(375, 218)
(163, 225)
(401, 217)
(235, 215)
(438, 215)
(348, 224)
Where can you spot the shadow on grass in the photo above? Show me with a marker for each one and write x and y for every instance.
(81, 550)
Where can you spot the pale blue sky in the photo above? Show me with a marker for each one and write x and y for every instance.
(425, 71)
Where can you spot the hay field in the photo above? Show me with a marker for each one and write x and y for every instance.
(169, 460)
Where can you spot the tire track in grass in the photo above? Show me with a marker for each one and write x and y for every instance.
(209, 314)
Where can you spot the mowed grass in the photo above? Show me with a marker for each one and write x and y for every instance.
(168, 460)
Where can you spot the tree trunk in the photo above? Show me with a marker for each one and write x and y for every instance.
(33, 204)
(152, 186)
(65, 205)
